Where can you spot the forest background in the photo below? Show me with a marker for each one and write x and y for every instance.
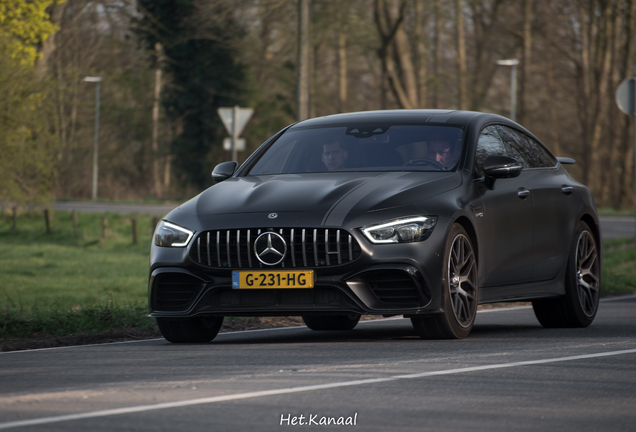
(167, 65)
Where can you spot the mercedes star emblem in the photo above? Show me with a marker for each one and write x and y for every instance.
(272, 215)
(270, 248)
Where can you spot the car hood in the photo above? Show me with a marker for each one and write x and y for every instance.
(328, 196)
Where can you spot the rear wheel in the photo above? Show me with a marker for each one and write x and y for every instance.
(332, 322)
(582, 281)
(201, 329)
(460, 292)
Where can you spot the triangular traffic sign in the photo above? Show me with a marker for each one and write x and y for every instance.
(243, 115)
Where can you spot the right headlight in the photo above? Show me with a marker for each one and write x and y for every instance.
(171, 235)
(403, 230)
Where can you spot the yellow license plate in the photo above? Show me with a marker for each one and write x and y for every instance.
(272, 279)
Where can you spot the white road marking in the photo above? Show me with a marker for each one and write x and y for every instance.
(617, 298)
(264, 393)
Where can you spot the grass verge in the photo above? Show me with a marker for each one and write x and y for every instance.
(608, 211)
(64, 288)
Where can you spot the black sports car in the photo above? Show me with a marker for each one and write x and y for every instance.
(420, 213)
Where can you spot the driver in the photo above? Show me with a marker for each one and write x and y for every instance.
(334, 155)
(441, 152)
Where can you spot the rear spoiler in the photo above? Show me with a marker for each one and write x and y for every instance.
(566, 161)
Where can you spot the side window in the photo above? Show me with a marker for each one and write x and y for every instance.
(518, 147)
(489, 144)
(547, 159)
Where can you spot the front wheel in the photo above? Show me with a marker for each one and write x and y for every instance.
(331, 322)
(460, 291)
(192, 330)
(582, 286)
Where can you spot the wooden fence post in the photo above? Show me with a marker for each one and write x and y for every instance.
(134, 230)
(47, 223)
(104, 227)
(74, 223)
(15, 220)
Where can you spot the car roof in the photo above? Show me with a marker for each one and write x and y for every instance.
(415, 116)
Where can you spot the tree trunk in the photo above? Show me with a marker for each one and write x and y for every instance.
(342, 68)
(612, 176)
(55, 11)
(554, 144)
(584, 103)
(461, 55)
(437, 61)
(422, 93)
(302, 108)
(526, 60)
(603, 59)
(626, 184)
(395, 52)
(155, 125)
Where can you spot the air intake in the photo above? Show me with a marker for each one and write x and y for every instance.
(174, 291)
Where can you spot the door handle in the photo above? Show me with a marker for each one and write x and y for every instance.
(567, 190)
(523, 193)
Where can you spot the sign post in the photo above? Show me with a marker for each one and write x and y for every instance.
(626, 101)
(97, 81)
(234, 119)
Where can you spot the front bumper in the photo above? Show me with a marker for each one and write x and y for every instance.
(388, 289)
(396, 279)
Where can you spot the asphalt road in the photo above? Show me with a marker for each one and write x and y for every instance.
(615, 226)
(510, 374)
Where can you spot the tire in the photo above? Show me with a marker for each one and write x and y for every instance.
(194, 330)
(460, 291)
(578, 307)
(332, 322)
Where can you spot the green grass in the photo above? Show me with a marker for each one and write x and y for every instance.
(61, 270)
(607, 211)
(619, 267)
(59, 284)
(60, 321)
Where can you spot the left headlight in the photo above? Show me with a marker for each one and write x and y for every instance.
(171, 235)
(404, 230)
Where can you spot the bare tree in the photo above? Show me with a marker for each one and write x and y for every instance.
(462, 67)
(526, 60)
(303, 60)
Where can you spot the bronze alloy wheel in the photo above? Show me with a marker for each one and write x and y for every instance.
(460, 292)
(587, 273)
(578, 307)
(462, 280)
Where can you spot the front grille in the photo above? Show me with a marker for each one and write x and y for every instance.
(306, 247)
(394, 287)
(174, 291)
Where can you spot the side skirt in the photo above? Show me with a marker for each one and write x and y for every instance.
(530, 291)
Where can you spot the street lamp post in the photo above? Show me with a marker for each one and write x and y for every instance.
(513, 83)
(97, 81)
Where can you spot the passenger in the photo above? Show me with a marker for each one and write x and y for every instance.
(334, 155)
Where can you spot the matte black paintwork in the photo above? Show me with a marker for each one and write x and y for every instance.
(521, 227)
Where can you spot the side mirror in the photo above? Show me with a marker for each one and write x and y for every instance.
(223, 171)
(501, 167)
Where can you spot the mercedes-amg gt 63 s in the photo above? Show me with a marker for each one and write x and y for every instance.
(420, 213)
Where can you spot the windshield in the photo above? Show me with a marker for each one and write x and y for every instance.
(362, 147)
